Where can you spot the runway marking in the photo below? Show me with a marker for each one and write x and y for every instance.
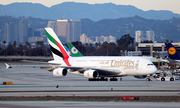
(105, 91)
(7, 86)
(151, 85)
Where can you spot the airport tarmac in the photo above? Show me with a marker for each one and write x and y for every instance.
(80, 104)
(30, 81)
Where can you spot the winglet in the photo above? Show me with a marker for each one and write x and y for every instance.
(7, 66)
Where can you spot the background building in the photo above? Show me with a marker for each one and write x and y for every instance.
(35, 39)
(23, 31)
(138, 36)
(84, 39)
(105, 38)
(37, 33)
(62, 27)
(10, 32)
(30, 32)
(70, 29)
(150, 35)
(149, 49)
(53, 25)
(112, 39)
(73, 31)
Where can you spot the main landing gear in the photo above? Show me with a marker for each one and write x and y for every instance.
(104, 79)
(98, 79)
(113, 79)
(148, 78)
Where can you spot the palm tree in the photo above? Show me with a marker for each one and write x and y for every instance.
(28, 44)
(20, 46)
(4, 42)
(99, 44)
(41, 43)
(37, 43)
(86, 44)
(96, 44)
(14, 45)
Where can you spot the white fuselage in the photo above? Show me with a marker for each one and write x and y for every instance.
(122, 65)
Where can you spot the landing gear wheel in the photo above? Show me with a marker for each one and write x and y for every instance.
(98, 79)
(162, 79)
(113, 79)
(148, 79)
(103, 79)
(92, 79)
(171, 79)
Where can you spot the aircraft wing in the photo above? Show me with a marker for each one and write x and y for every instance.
(175, 62)
(101, 71)
(53, 65)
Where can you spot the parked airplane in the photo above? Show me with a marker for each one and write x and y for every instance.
(174, 54)
(96, 67)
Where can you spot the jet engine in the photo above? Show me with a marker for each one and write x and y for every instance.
(91, 74)
(60, 72)
(140, 76)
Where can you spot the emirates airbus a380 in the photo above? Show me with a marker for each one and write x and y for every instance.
(96, 67)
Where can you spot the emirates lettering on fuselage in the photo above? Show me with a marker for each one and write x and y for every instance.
(126, 63)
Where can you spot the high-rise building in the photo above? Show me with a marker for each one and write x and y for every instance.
(62, 27)
(10, 32)
(150, 35)
(73, 30)
(53, 25)
(30, 32)
(138, 36)
(23, 31)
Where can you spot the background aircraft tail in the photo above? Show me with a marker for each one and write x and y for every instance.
(174, 54)
(74, 51)
(57, 49)
(68, 51)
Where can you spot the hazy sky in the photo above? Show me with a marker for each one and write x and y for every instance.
(172, 5)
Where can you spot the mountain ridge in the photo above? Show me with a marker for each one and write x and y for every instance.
(73, 10)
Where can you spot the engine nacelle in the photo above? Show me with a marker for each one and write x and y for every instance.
(140, 76)
(60, 72)
(91, 74)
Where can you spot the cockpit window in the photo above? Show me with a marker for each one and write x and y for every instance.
(149, 64)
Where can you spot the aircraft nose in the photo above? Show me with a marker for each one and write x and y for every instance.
(153, 69)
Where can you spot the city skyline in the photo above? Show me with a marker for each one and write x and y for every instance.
(171, 5)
